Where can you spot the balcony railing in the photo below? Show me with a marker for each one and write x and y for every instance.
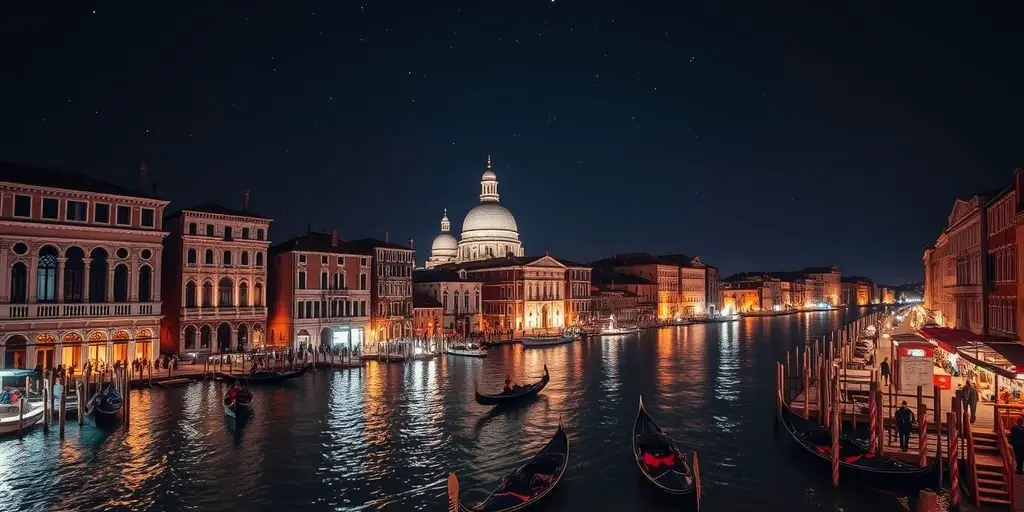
(77, 310)
(223, 313)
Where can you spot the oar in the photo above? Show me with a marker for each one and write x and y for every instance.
(453, 493)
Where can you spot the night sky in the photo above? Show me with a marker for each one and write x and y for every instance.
(758, 136)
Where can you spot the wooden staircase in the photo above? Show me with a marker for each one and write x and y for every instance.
(993, 489)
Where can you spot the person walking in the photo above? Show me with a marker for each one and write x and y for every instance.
(1017, 442)
(971, 396)
(904, 425)
(884, 368)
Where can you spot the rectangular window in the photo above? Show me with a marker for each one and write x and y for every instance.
(124, 215)
(101, 213)
(323, 260)
(51, 208)
(148, 218)
(77, 211)
(302, 258)
(245, 233)
(302, 280)
(209, 230)
(22, 206)
(227, 233)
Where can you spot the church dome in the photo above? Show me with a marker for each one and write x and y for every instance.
(489, 220)
(444, 245)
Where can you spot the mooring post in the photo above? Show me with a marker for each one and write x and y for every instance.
(62, 416)
(21, 414)
(807, 385)
(836, 426)
(81, 401)
(881, 423)
(922, 435)
(46, 406)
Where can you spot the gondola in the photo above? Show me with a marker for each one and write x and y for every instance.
(857, 461)
(514, 394)
(523, 487)
(663, 464)
(239, 406)
(105, 406)
(263, 376)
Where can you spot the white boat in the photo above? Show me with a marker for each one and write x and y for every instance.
(547, 341)
(470, 350)
(616, 330)
(10, 414)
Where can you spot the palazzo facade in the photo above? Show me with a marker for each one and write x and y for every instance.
(81, 271)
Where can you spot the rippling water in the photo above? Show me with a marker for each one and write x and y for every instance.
(386, 436)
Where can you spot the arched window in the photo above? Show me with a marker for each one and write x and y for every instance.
(46, 275)
(190, 331)
(465, 302)
(207, 294)
(245, 258)
(259, 259)
(225, 293)
(208, 260)
(257, 295)
(362, 281)
(191, 258)
(19, 283)
(190, 295)
(98, 275)
(323, 280)
(145, 284)
(455, 305)
(227, 258)
(121, 283)
(74, 275)
(243, 294)
(445, 297)
(205, 336)
(478, 307)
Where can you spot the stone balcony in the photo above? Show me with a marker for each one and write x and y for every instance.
(52, 310)
(223, 313)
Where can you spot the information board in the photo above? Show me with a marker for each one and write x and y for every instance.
(916, 371)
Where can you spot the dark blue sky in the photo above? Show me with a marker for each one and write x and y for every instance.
(756, 135)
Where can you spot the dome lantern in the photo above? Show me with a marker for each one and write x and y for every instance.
(489, 184)
(445, 225)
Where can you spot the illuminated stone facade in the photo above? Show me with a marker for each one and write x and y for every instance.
(215, 278)
(392, 266)
(681, 281)
(459, 295)
(81, 260)
(856, 291)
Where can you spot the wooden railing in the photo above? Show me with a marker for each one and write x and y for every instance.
(972, 468)
(1007, 455)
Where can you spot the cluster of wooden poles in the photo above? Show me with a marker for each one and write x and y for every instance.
(119, 378)
(823, 364)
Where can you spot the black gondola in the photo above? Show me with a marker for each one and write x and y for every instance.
(857, 460)
(105, 406)
(514, 394)
(663, 464)
(238, 406)
(263, 377)
(523, 487)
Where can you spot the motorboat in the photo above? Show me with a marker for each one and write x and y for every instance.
(467, 350)
(616, 330)
(23, 414)
(547, 341)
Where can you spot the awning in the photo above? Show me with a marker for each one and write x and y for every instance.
(947, 339)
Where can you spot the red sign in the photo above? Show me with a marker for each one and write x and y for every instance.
(915, 350)
(942, 381)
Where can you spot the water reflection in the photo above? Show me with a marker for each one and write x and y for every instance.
(385, 436)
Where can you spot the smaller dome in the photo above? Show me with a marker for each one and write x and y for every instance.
(489, 176)
(444, 244)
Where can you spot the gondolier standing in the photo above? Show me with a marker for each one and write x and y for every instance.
(904, 425)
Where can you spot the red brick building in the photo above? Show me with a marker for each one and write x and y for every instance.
(1000, 297)
(319, 292)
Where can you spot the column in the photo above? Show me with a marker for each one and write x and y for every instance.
(5, 275)
(58, 279)
(86, 296)
(133, 278)
(110, 281)
(156, 274)
(216, 291)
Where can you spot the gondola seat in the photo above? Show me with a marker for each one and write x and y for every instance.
(658, 461)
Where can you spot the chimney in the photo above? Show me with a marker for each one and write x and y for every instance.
(385, 237)
(142, 175)
(245, 200)
(410, 243)
(309, 227)
(334, 238)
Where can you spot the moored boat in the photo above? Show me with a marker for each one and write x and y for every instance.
(547, 341)
(263, 376)
(105, 406)
(525, 486)
(17, 411)
(856, 460)
(613, 329)
(663, 464)
(515, 393)
(468, 350)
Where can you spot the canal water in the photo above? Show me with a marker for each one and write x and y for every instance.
(384, 437)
